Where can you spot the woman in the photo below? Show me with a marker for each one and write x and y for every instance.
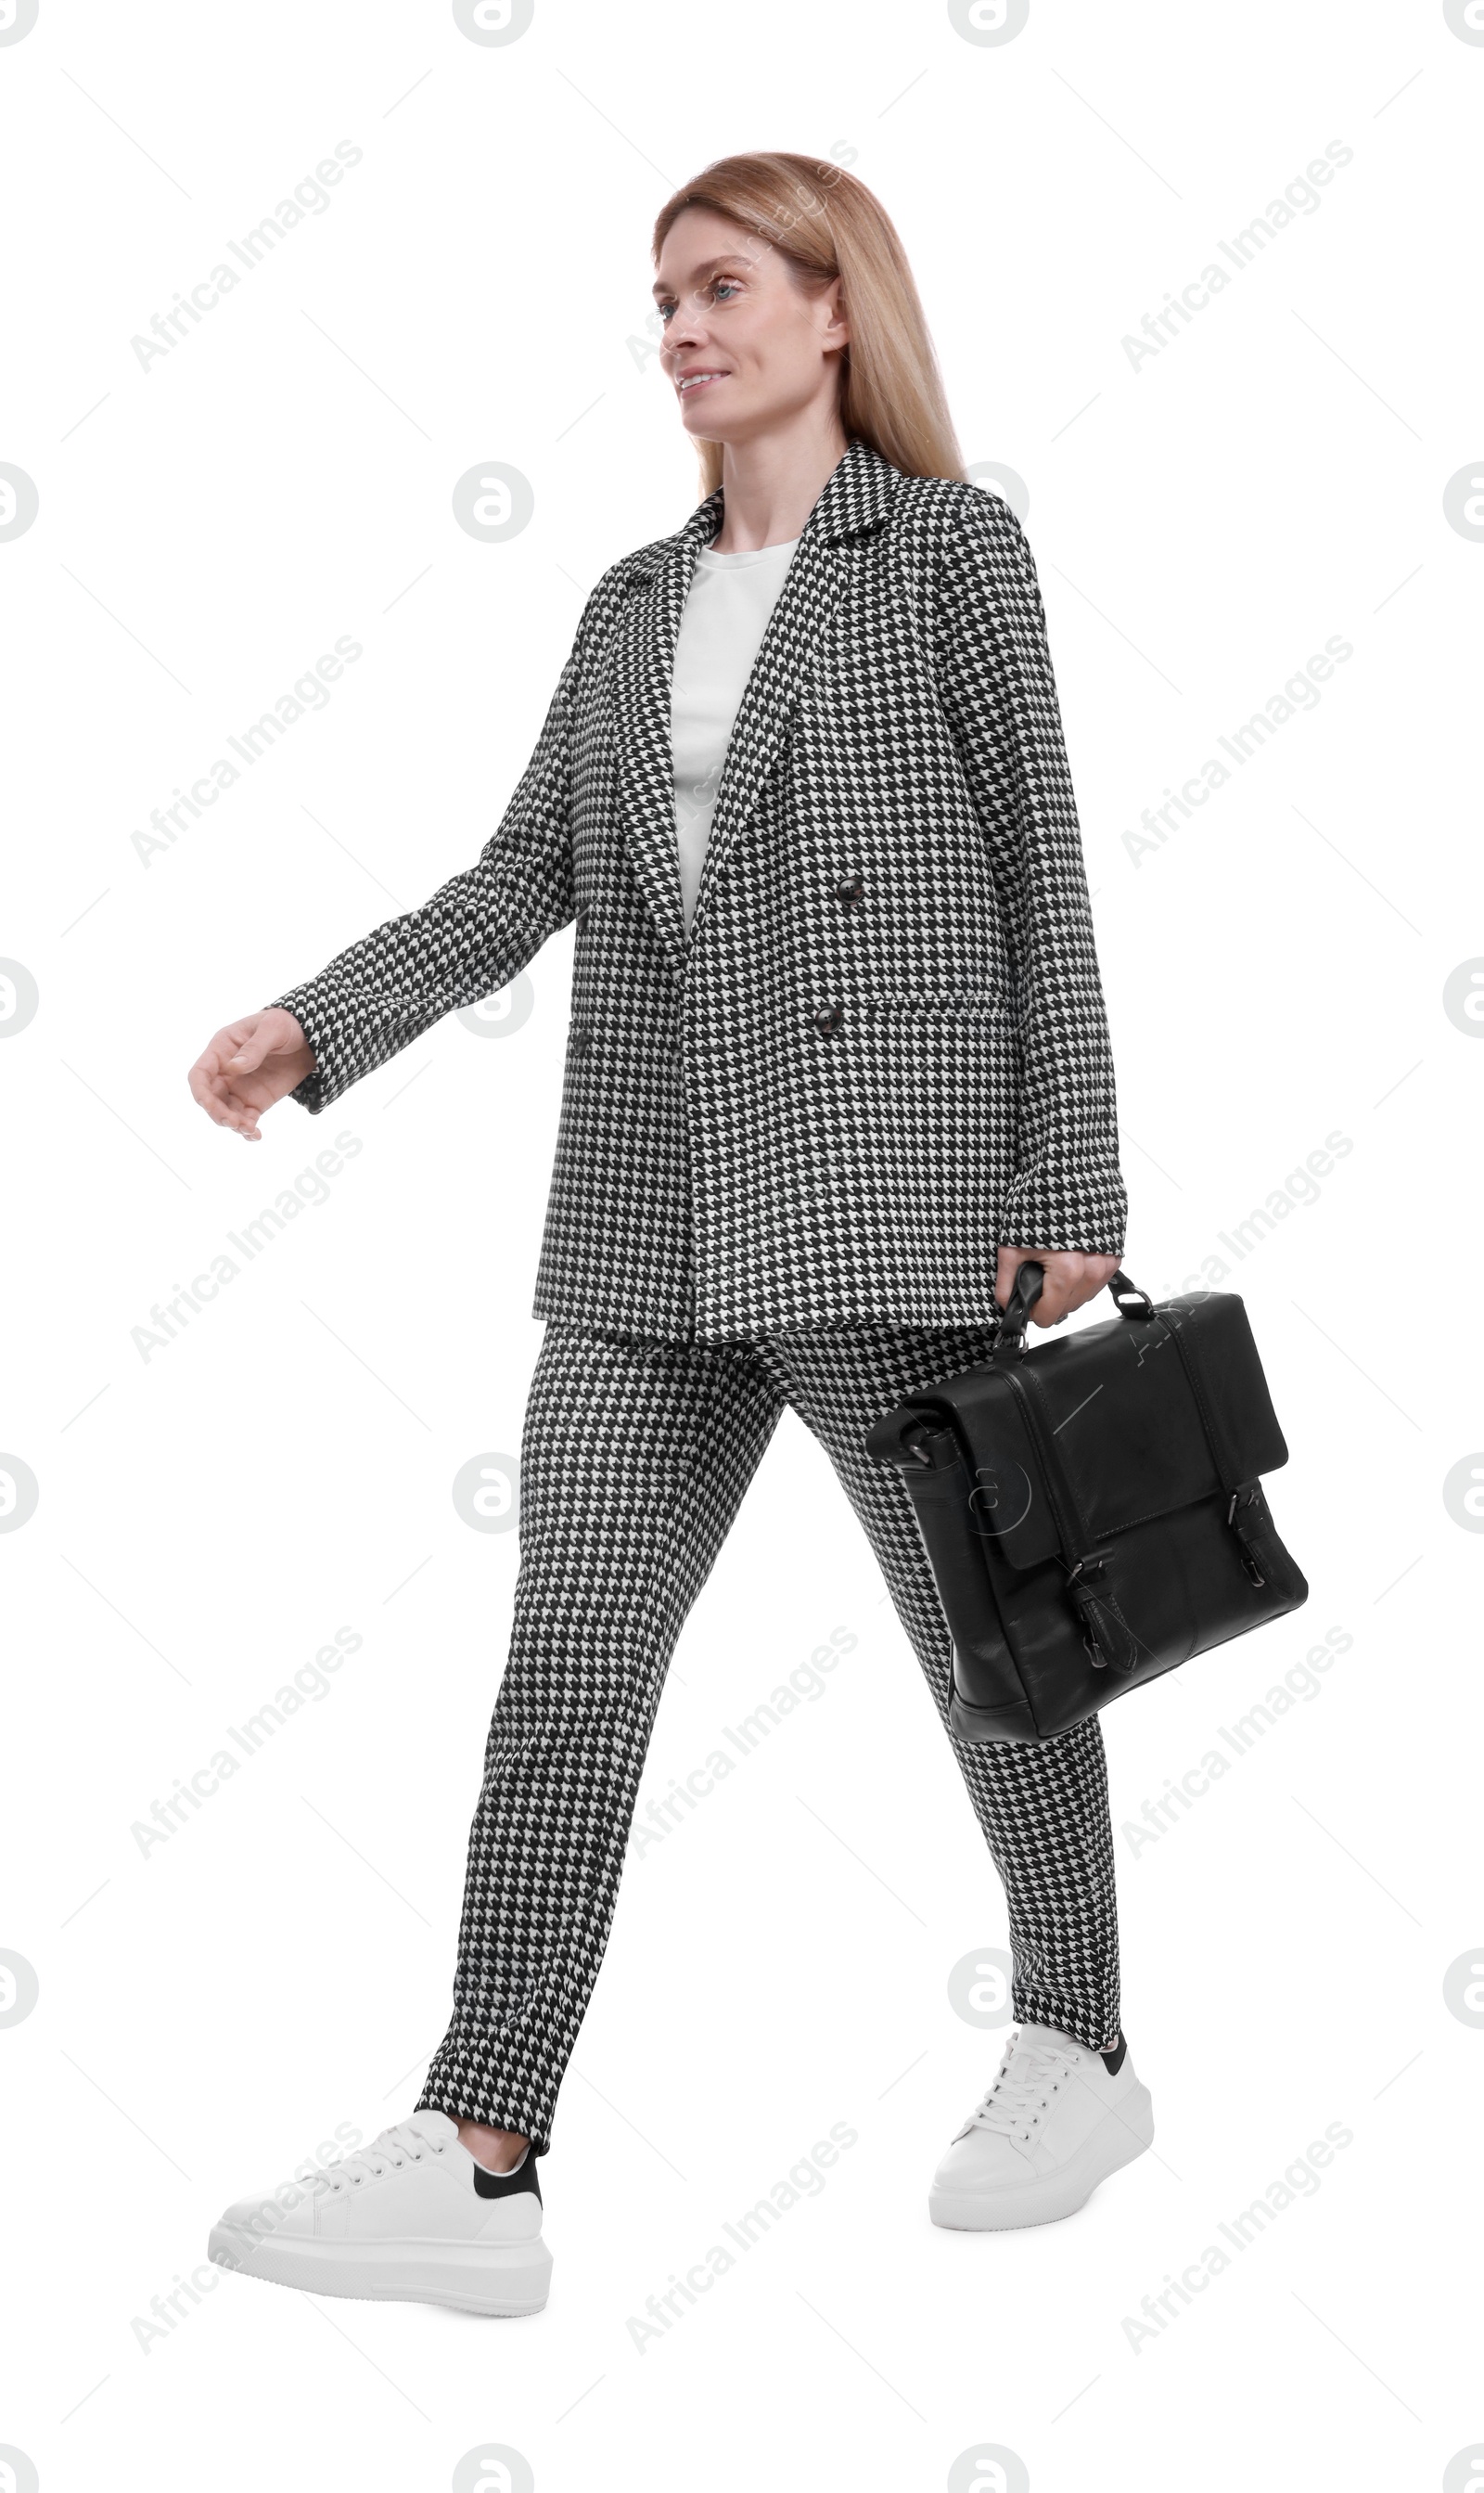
(838, 1062)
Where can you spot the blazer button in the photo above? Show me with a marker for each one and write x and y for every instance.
(851, 892)
(828, 1019)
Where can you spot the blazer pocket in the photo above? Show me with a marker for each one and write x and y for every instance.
(963, 1004)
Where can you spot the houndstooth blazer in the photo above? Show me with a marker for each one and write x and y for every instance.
(882, 1048)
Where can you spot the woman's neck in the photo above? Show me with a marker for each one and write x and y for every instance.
(770, 485)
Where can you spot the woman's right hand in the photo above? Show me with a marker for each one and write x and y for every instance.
(249, 1066)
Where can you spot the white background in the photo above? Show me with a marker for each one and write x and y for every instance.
(209, 2011)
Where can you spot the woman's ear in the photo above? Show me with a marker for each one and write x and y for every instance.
(835, 325)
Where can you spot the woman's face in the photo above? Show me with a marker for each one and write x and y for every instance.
(733, 313)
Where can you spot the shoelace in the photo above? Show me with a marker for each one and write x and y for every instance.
(402, 2143)
(1029, 2074)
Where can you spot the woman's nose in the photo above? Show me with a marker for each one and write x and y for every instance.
(685, 326)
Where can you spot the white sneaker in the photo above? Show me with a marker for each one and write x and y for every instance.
(1057, 2119)
(410, 2218)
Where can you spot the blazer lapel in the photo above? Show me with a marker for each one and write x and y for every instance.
(644, 669)
(854, 498)
(811, 588)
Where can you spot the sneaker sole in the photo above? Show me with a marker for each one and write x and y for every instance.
(1120, 2135)
(502, 2280)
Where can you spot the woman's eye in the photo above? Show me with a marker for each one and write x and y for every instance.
(721, 289)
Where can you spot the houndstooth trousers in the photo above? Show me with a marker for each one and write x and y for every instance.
(636, 1456)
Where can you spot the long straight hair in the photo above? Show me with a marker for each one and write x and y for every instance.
(825, 224)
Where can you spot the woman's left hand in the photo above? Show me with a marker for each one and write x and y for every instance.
(1070, 1279)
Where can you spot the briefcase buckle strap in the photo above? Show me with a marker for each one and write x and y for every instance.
(1080, 1592)
(1245, 1512)
(1106, 1636)
(1244, 1515)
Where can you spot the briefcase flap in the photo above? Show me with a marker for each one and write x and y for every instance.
(1118, 1401)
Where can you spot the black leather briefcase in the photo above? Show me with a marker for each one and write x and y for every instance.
(1092, 1508)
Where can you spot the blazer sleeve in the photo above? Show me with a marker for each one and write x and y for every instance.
(1001, 695)
(469, 940)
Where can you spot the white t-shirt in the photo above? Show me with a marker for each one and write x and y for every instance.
(725, 614)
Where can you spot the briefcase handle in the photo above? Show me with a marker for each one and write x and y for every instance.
(1030, 1282)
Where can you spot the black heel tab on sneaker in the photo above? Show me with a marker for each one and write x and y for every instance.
(1113, 2061)
(508, 2185)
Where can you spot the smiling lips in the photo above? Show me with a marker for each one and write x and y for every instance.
(686, 382)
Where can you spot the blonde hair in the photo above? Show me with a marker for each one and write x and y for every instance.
(826, 224)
